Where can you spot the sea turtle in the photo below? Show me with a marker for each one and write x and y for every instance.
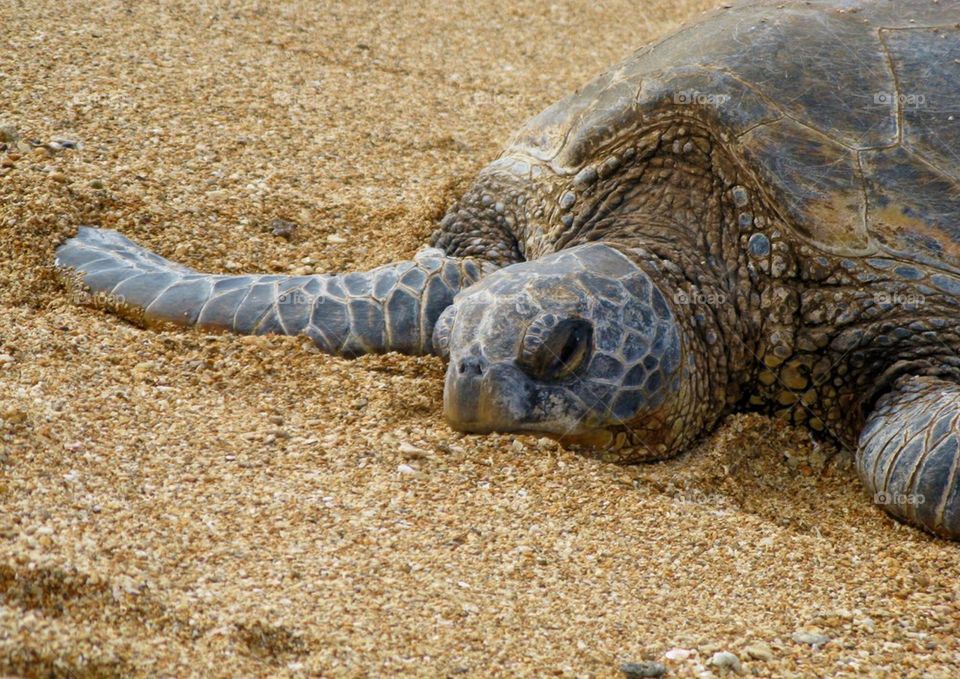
(760, 210)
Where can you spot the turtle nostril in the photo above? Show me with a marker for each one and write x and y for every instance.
(474, 367)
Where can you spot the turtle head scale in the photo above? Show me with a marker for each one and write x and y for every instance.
(580, 345)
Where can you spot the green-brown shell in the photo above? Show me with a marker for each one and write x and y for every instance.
(848, 111)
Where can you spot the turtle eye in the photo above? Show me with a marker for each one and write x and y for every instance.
(557, 352)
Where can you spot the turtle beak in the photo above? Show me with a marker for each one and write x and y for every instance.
(480, 397)
(462, 395)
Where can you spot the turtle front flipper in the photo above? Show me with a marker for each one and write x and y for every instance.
(390, 308)
(909, 454)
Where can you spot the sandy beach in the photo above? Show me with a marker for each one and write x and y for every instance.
(183, 504)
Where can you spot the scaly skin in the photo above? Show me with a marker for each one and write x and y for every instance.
(391, 308)
(637, 391)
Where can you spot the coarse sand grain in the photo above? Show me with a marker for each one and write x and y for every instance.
(177, 504)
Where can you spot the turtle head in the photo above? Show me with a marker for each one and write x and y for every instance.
(580, 345)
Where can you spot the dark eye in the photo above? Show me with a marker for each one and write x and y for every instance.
(562, 351)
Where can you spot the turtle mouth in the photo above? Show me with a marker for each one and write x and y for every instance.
(479, 398)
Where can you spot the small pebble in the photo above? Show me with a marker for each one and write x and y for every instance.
(9, 133)
(726, 660)
(646, 668)
(678, 654)
(811, 638)
(13, 416)
(759, 651)
(406, 469)
(283, 228)
(411, 452)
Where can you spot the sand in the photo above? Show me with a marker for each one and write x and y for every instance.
(176, 504)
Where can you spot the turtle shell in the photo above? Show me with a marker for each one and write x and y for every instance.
(847, 111)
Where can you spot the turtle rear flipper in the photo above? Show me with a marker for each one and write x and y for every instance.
(909, 454)
(390, 308)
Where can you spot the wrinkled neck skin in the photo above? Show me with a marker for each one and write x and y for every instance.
(718, 342)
